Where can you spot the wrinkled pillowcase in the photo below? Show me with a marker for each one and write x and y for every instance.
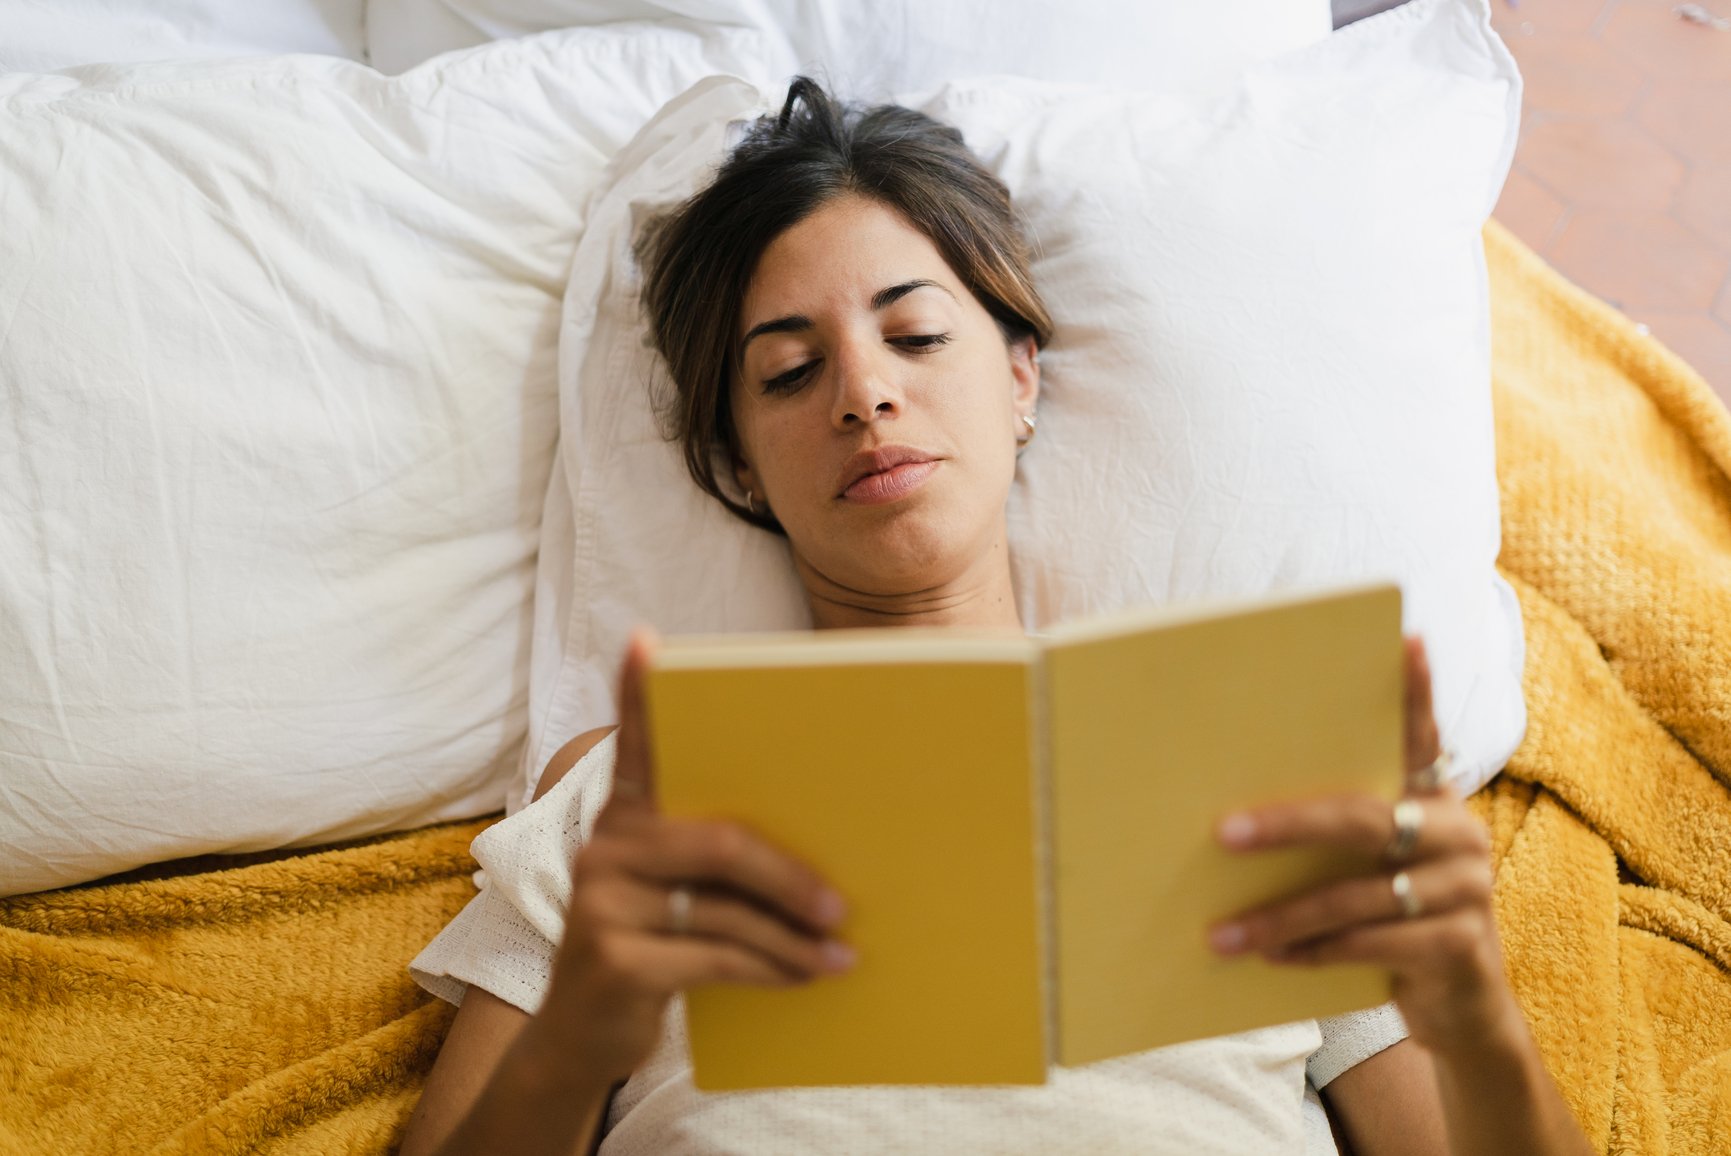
(279, 362)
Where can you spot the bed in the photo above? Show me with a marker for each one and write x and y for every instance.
(308, 578)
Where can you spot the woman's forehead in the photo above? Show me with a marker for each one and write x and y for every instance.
(842, 255)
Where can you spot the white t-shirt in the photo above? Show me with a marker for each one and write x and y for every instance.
(1244, 1093)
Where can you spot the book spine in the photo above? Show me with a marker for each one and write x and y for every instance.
(1040, 761)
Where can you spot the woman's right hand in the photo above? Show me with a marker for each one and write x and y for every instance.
(754, 916)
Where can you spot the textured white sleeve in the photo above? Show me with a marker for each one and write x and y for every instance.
(503, 941)
(1350, 1039)
(489, 944)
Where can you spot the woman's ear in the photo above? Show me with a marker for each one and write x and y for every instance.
(1024, 374)
(746, 477)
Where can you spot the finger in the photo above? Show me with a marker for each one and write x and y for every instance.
(633, 769)
(1458, 940)
(1422, 741)
(728, 855)
(1361, 823)
(722, 915)
(1440, 886)
(667, 964)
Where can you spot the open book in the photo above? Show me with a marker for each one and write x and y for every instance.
(1024, 827)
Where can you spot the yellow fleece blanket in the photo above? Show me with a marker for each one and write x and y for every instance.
(244, 1004)
(1612, 822)
(263, 1005)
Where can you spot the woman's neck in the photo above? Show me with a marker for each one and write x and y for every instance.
(981, 596)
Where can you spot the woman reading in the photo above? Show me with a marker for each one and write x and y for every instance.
(848, 317)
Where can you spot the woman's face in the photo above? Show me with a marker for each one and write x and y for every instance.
(878, 406)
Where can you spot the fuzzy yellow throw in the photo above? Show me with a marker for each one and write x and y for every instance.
(1612, 822)
(265, 1006)
(258, 1008)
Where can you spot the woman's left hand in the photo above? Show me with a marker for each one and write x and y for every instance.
(1439, 941)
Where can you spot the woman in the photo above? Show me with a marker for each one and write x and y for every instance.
(848, 317)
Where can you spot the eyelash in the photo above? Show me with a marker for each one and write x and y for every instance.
(785, 382)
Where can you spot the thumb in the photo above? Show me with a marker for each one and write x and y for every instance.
(1422, 740)
(633, 771)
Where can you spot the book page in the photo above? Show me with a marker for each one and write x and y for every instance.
(910, 787)
(1155, 735)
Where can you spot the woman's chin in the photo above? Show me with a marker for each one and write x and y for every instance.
(894, 557)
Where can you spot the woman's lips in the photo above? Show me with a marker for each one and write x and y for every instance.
(893, 483)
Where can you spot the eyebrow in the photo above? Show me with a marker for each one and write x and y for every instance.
(882, 299)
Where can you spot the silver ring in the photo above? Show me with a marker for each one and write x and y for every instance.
(1410, 907)
(1408, 821)
(1427, 780)
(679, 903)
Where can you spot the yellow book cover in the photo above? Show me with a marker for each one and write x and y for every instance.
(1023, 828)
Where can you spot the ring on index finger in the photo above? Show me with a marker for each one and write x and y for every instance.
(1408, 822)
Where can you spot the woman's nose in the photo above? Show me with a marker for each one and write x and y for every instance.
(865, 385)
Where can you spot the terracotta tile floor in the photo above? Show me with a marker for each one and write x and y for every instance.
(1623, 175)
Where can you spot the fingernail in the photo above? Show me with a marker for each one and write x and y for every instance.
(1228, 938)
(830, 909)
(1237, 830)
(838, 956)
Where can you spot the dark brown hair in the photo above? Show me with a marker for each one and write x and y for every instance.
(698, 261)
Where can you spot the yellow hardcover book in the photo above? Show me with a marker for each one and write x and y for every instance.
(1023, 828)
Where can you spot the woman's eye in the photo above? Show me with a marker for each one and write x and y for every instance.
(793, 378)
(782, 382)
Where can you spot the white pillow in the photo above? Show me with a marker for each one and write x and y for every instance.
(277, 353)
(1270, 367)
(877, 49)
(44, 35)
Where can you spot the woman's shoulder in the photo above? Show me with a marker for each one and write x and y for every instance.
(567, 757)
(526, 857)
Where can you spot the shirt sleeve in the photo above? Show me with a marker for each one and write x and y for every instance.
(503, 941)
(1351, 1039)
(491, 946)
